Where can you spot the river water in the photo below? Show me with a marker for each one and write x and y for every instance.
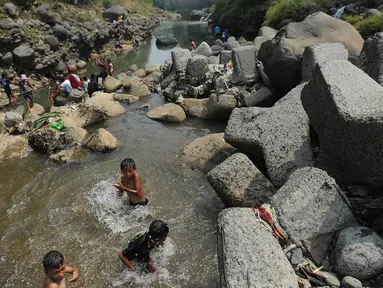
(73, 208)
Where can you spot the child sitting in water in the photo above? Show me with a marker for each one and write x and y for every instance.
(139, 247)
(131, 183)
(55, 269)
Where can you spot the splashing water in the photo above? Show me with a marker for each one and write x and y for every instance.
(339, 12)
(113, 211)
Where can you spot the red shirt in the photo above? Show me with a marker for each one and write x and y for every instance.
(75, 81)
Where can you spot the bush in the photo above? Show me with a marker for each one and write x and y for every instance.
(366, 26)
(297, 10)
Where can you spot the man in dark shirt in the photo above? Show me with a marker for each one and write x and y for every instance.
(4, 81)
(140, 246)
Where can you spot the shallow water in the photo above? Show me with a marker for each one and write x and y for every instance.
(74, 209)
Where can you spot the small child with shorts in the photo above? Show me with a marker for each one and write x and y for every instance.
(55, 269)
(140, 246)
(131, 183)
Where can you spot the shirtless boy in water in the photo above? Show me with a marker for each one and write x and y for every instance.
(55, 269)
(131, 183)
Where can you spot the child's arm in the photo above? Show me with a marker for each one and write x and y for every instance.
(126, 262)
(139, 186)
(72, 271)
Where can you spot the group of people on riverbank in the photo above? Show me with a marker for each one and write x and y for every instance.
(138, 248)
(225, 33)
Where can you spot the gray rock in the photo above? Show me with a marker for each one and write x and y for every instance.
(320, 53)
(7, 59)
(24, 55)
(244, 65)
(11, 10)
(61, 67)
(24, 3)
(102, 141)
(153, 79)
(60, 31)
(76, 95)
(197, 67)
(203, 49)
(266, 31)
(331, 279)
(88, 26)
(52, 41)
(225, 57)
(297, 257)
(166, 40)
(359, 253)
(216, 50)
(39, 67)
(350, 282)
(371, 58)
(302, 208)
(249, 255)
(260, 98)
(180, 58)
(45, 15)
(127, 98)
(239, 183)
(282, 55)
(279, 135)
(374, 12)
(60, 101)
(219, 43)
(231, 45)
(114, 12)
(12, 119)
(213, 60)
(8, 24)
(344, 107)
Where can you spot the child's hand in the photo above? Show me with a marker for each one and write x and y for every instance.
(75, 275)
(119, 185)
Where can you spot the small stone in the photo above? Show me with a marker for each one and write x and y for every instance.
(325, 264)
(332, 279)
(297, 257)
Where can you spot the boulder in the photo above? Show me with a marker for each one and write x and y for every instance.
(61, 67)
(197, 67)
(12, 147)
(225, 57)
(166, 40)
(279, 135)
(152, 69)
(12, 119)
(7, 59)
(66, 156)
(213, 60)
(218, 42)
(261, 98)
(114, 12)
(136, 87)
(239, 183)
(180, 58)
(11, 10)
(52, 41)
(320, 53)
(74, 135)
(60, 32)
(282, 55)
(374, 12)
(302, 206)
(370, 60)
(206, 152)
(133, 68)
(77, 95)
(266, 31)
(126, 48)
(202, 49)
(153, 79)
(112, 84)
(9, 24)
(244, 66)
(85, 114)
(249, 255)
(343, 104)
(230, 45)
(140, 73)
(60, 101)
(127, 98)
(216, 107)
(45, 15)
(81, 64)
(102, 141)
(37, 109)
(350, 282)
(167, 113)
(216, 50)
(106, 103)
(46, 140)
(24, 55)
(359, 253)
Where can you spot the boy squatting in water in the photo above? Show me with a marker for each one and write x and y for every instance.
(131, 183)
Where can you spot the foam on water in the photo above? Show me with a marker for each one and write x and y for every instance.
(113, 211)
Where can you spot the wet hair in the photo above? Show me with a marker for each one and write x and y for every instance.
(127, 163)
(62, 79)
(92, 77)
(53, 260)
(4, 74)
(158, 229)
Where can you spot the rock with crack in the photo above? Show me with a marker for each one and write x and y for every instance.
(206, 152)
(167, 113)
(279, 135)
(136, 87)
(302, 206)
(343, 104)
(102, 141)
(112, 84)
(106, 102)
(239, 183)
(359, 253)
(249, 255)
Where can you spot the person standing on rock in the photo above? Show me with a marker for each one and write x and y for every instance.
(193, 44)
(93, 85)
(103, 69)
(4, 81)
(110, 67)
(26, 89)
(217, 31)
